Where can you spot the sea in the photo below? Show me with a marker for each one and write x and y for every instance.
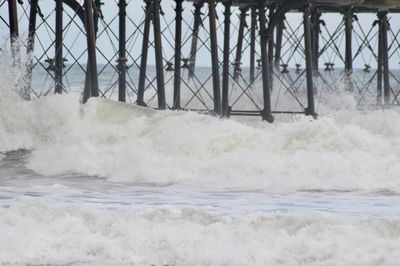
(107, 183)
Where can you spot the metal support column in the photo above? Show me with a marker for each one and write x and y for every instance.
(178, 55)
(310, 110)
(92, 79)
(384, 28)
(239, 46)
(145, 48)
(348, 22)
(271, 10)
(122, 60)
(196, 24)
(379, 74)
(214, 57)
(159, 55)
(13, 23)
(97, 14)
(30, 47)
(348, 68)
(253, 27)
(225, 71)
(278, 45)
(266, 114)
(59, 60)
(315, 32)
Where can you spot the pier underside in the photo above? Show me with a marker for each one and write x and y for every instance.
(256, 58)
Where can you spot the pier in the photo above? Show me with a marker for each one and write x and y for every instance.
(225, 58)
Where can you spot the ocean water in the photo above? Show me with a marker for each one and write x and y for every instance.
(113, 184)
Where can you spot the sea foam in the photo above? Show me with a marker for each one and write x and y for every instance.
(342, 150)
(39, 232)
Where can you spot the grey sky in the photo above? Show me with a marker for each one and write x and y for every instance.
(107, 41)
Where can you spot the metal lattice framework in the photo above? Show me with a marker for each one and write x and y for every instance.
(225, 58)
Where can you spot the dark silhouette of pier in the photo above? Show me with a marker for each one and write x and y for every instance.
(252, 50)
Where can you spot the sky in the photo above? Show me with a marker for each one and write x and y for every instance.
(107, 41)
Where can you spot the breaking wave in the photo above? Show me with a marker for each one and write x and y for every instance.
(343, 149)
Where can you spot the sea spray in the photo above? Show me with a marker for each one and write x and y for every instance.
(342, 149)
(123, 143)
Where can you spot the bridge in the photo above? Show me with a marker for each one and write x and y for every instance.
(230, 57)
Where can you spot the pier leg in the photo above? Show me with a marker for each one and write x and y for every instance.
(278, 45)
(253, 27)
(145, 48)
(348, 19)
(195, 34)
(380, 65)
(310, 110)
(92, 79)
(315, 32)
(178, 55)
(348, 68)
(159, 55)
(59, 60)
(225, 71)
(385, 57)
(30, 47)
(238, 58)
(271, 10)
(13, 23)
(97, 8)
(214, 57)
(266, 114)
(122, 60)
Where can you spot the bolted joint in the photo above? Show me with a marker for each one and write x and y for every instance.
(382, 14)
(97, 9)
(148, 8)
(185, 63)
(121, 64)
(284, 68)
(259, 63)
(227, 11)
(121, 4)
(178, 7)
(52, 64)
(382, 19)
(169, 67)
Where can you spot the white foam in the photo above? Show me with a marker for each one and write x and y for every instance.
(343, 149)
(43, 233)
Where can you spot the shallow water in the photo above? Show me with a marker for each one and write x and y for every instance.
(18, 182)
